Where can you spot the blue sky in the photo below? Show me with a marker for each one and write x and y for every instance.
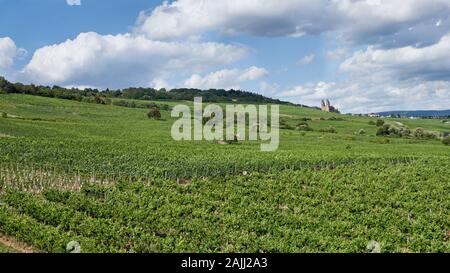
(364, 55)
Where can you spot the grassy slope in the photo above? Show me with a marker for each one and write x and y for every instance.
(5, 249)
(404, 206)
(130, 132)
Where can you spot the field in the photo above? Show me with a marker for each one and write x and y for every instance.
(113, 180)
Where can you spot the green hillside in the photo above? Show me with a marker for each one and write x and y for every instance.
(112, 179)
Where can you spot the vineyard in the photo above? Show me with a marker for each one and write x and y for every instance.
(112, 180)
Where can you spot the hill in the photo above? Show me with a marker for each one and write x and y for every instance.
(102, 96)
(114, 180)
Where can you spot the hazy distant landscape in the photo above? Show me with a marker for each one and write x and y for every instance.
(418, 113)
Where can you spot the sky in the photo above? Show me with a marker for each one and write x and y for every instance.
(363, 55)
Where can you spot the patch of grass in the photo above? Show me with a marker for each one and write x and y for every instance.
(5, 249)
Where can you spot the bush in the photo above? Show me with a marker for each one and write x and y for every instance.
(335, 118)
(304, 127)
(371, 122)
(419, 133)
(4, 115)
(391, 130)
(305, 119)
(154, 113)
(446, 141)
(302, 123)
(286, 127)
(361, 132)
(380, 122)
(330, 129)
(422, 134)
(403, 131)
(102, 100)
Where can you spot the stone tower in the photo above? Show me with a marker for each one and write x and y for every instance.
(327, 107)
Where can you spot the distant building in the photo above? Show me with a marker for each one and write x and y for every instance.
(327, 107)
(373, 115)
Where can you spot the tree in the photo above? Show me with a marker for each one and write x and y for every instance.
(380, 123)
(446, 141)
(154, 113)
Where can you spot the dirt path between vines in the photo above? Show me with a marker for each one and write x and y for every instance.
(17, 246)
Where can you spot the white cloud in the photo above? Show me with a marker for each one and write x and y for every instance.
(380, 79)
(226, 78)
(427, 63)
(159, 83)
(405, 66)
(365, 97)
(317, 91)
(73, 2)
(8, 52)
(336, 54)
(190, 17)
(123, 60)
(376, 21)
(308, 59)
(269, 89)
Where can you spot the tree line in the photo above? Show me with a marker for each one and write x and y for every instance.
(137, 93)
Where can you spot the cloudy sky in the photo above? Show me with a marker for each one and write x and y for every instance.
(364, 55)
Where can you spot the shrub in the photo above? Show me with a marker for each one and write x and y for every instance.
(403, 131)
(165, 107)
(286, 127)
(329, 129)
(419, 133)
(305, 119)
(393, 130)
(4, 115)
(383, 131)
(422, 134)
(361, 132)
(335, 118)
(380, 122)
(446, 141)
(371, 122)
(304, 127)
(101, 100)
(154, 113)
(302, 123)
